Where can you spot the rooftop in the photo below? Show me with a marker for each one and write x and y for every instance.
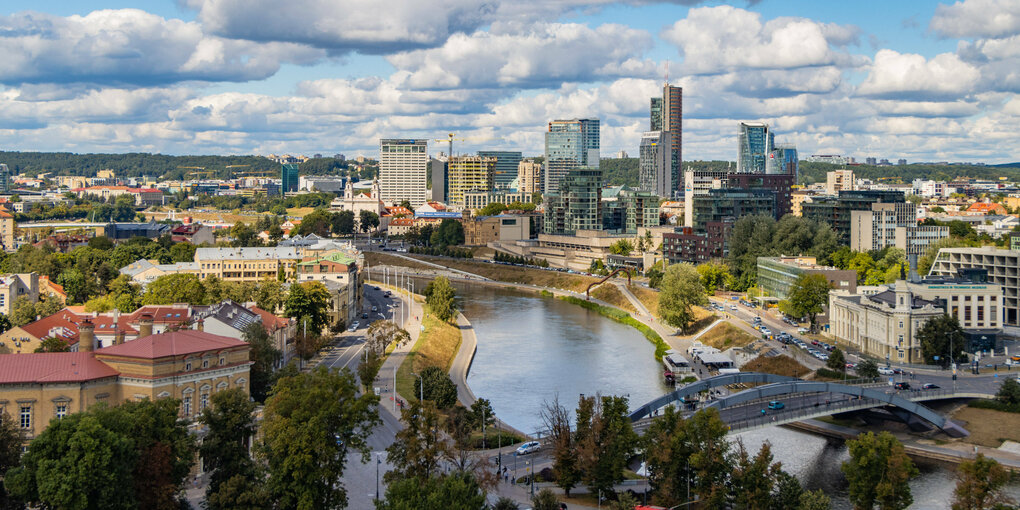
(52, 367)
(254, 253)
(176, 343)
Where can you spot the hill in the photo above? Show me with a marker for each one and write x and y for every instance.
(904, 174)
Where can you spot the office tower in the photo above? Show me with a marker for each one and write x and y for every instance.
(656, 114)
(468, 173)
(837, 211)
(666, 115)
(289, 177)
(783, 160)
(577, 205)
(5, 179)
(440, 184)
(403, 164)
(569, 144)
(655, 162)
(755, 144)
(529, 176)
(506, 166)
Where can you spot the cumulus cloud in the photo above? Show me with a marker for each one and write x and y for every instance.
(897, 75)
(544, 55)
(977, 18)
(724, 38)
(131, 47)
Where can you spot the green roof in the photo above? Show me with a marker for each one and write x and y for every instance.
(338, 257)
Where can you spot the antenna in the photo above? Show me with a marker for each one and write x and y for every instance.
(667, 72)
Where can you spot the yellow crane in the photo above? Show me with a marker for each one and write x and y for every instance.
(451, 137)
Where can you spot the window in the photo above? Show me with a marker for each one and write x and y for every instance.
(901, 324)
(187, 367)
(966, 314)
(900, 343)
(205, 363)
(60, 410)
(203, 401)
(186, 405)
(26, 416)
(223, 361)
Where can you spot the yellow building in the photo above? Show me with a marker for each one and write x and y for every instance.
(469, 173)
(247, 264)
(7, 231)
(187, 365)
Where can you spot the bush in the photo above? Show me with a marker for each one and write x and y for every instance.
(830, 373)
(513, 259)
(546, 293)
(994, 405)
(442, 251)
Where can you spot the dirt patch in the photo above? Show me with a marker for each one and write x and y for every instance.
(988, 427)
(611, 294)
(375, 258)
(725, 336)
(299, 212)
(778, 365)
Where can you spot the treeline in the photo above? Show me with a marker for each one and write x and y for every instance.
(442, 251)
(513, 259)
(811, 173)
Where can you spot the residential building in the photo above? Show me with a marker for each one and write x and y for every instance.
(720, 204)
(686, 245)
(7, 231)
(529, 177)
(144, 271)
(931, 189)
(629, 210)
(469, 173)
(754, 146)
(5, 179)
(777, 275)
(666, 117)
(1001, 266)
(839, 180)
(290, 180)
(798, 197)
(505, 170)
(698, 183)
(577, 205)
(474, 200)
(983, 208)
(655, 169)
(892, 224)
(194, 233)
(569, 144)
(779, 184)
(403, 164)
(14, 286)
(247, 264)
(836, 211)
(141, 196)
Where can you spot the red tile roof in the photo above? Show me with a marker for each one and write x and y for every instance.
(52, 367)
(176, 343)
(270, 321)
(162, 314)
(63, 324)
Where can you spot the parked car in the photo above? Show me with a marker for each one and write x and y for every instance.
(775, 404)
(885, 371)
(802, 331)
(930, 386)
(529, 447)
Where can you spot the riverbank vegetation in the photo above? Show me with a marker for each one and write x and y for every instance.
(679, 292)
(517, 274)
(647, 297)
(623, 318)
(610, 293)
(436, 346)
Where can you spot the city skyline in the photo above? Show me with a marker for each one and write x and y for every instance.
(923, 81)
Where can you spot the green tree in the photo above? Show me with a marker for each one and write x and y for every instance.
(837, 360)
(74, 284)
(808, 296)
(943, 337)
(368, 369)
(317, 222)
(11, 439)
(239, 492)
(53, 344)
(438, 387)
(269, 295)
(878, 472)
(814, 500)
(183, 252)
(449, 233)
(456, 491)
(713, 276)
(566, 468)
(605, 441)
(867, 368)
(417, 448)
(1009, 392)
(308, 301)
(175, 288)
(545, 500)
(694, 450)
(312, 421)
(342, 223)
(621, 247)
(441, 298)
(230, 425)
(23, 311)
(5, 323)
(505, 503)
(750, 238)
(101, 243)
(979, 485)
(264, 356)
(754, 480)
(481, 413)
(680, 291)
(368, 221)
(492, 209)
(382, 333)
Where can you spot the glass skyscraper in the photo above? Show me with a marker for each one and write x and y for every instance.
(666, 116)
(289, 177)
(569, 144)
(754, 147)
(506, 166)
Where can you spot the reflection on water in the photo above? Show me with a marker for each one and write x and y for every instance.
(532, 348)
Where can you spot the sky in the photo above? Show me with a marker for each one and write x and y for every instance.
(920, 80)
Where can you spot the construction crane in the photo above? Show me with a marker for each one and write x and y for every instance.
(450, 138)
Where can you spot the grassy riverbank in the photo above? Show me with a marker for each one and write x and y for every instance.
(623, 318)
(437, 346)
(611, 294)
(725, 336)
(498, 272)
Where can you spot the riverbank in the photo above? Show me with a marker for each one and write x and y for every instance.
(623, 317)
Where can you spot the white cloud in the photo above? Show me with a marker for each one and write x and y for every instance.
(977, 18)
(546, 54)
(897, 75)
(724, 38)
(130, 47)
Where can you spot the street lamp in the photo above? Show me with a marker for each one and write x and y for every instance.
(421, 388)
(378, 461)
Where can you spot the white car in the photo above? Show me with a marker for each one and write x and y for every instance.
(733, 307)
(885, 371)
(529, 447)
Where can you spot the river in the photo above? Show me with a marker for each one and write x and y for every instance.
(532, 349)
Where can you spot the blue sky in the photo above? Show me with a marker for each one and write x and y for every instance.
(925, 81)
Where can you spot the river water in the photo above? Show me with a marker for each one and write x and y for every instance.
(532, 349)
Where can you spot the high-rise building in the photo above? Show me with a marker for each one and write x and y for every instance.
(666, 115)
(577, 205)
(440, 184)
(839, 180)
(569, 144)
(655, 162)
(783, 160)
(836, 211)
(506, 166)
(529, 176)
(403, 165)
(754, 147)
(289, 177)
(468, 173)
(5, 179)
(655, 123)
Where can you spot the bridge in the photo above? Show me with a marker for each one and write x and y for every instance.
(748, 409)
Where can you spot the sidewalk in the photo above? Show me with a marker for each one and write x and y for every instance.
(389, 367)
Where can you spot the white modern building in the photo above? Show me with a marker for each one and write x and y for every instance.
(892, 224)
(403, 165)
(1002, 266)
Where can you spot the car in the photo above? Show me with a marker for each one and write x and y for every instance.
(775, 404)
(802, 331)
(733, 307)
(930, 386)
(902, 386)
(885, 371)
(851, 365)
(1015, 358)
(355, 324)
(375, 308)
(364, 315)
(529, 447)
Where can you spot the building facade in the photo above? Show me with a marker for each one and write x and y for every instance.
(666, 117)
(289, 177)
(474, 200)
(754, 145)
(569, 144)
(14, 286)
(1001, 266)
(837, 211)
(252, 264)
(719, 204)
(892, 224)
(577, 205)
(529, 177)
(839, 180)
(655, 172)
(686, 245)
(403, 164)
(7, 231)
(469, 173)
(777, 275)
(505, 170)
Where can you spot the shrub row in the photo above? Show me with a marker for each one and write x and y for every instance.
(994, 404)
(442, 251)
(513, 259)
(623, 318)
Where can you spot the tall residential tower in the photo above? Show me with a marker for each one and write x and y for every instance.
(403, 167)
(569, 144)
(666, 118)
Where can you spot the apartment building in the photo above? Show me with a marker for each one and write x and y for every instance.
(1001, 267)
(403, 164)
(892, 224)
(14, 286)
(469, 173)
(252, 264)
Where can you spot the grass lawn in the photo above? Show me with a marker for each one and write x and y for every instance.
(988, 427)
(647, 297)
(726, 335)
(437, 346)
(611, 294)
(299, 211)
(375, 258)
(779, 365)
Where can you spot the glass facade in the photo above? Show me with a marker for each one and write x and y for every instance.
(569, 144)
(720, 204)
(506, 166)
(755, 146)
(578, 205)
(289, 177)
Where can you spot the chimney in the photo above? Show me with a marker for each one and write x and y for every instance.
(86, 335)
(118, 338)
(200, 325)
(144, 325)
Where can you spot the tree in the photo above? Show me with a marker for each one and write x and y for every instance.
(481, 414)
(53, 344)
(22, 311)
(566, 469)
(505, 503)
(440, 297)
(867, 368)
(942, 337)
(837, 361)
(438, 387)
(11, 439)
(713, 276)
(183, 252)
(979, 485)
(312, 421)
(382, 333)
(694, 450)
(269, 295)
(621, 247)
(545, 500)
(814, 500)
(369, 368)
(456, 491)
(239, 492)
(264, 356)
(230, 425)
(1009, 392)
(175, 288)
(680, 291)
(750, 238)
(878, 472)
(754, 480)
(605, 441)
(492, 209)
(368, 221)
(317, 222)
(342, 223)
(449, 233)
(308, 301)
(74, 284)
(417, 448)
(808, 296)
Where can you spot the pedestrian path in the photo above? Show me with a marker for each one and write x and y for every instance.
(634, 301)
